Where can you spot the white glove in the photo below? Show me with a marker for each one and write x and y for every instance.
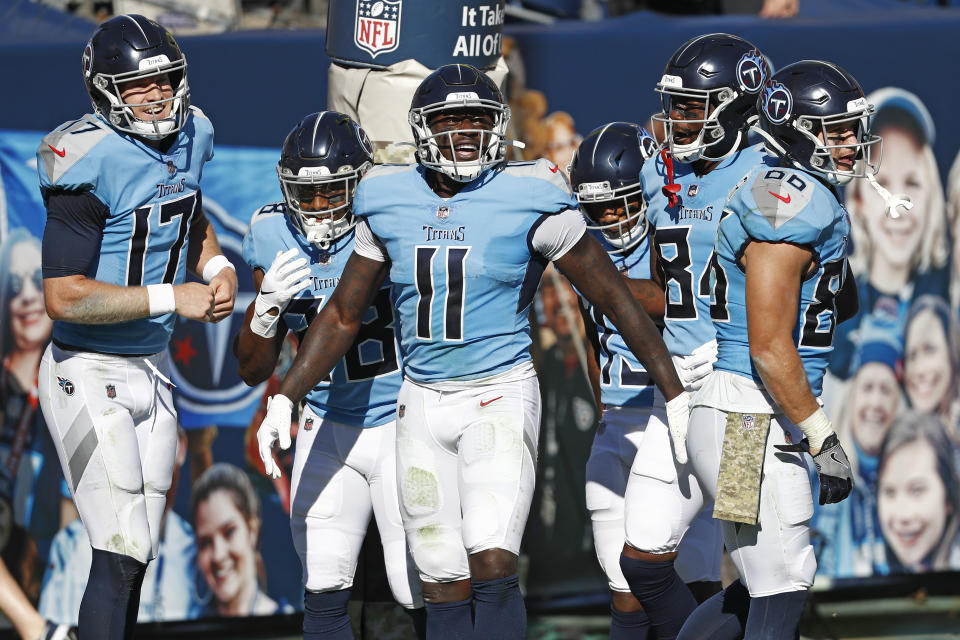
(275, 426)
(678, 415)
(692, 369)
(284, 279)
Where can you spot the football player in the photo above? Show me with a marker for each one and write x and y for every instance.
(344, 462)
(605, 175)
(780, 286)
(464, 237)
(124, 223)
(709, 90)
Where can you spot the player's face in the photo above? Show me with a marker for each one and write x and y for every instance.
(143, 94)
(688, 115)
(874, 405)
(897, 241)
(320, 197)
(614, 212)
(912, 502)
(225, 548)
(465, 142)
(29, 322)
(926, 365)
(837, 136)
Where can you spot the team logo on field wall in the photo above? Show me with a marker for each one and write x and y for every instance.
(377, 27)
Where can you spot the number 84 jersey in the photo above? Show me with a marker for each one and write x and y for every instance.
(362, 389)
(780, 205)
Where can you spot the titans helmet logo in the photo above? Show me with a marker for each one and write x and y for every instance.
(777, 102)
(750, 72)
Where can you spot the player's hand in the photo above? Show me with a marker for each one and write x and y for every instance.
(194, 300)
(779, 8)
(678, 416)
(692, 369)
(224, 286)
(833, 467)
(285, 278)
(274, 428)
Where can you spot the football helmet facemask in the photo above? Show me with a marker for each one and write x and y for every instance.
(605, 175)
(810, 98)
(451, 88)
(130, 48)
(725, 74)
(323, 159)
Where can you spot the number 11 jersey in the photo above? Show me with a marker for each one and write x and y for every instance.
(465, 268)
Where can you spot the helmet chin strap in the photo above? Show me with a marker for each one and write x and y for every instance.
(891, 201)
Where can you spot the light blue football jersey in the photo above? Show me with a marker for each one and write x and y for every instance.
(684, 236)
(152, 198)
(623, 380)
(362, 389)
(464, 268)
(780, 205)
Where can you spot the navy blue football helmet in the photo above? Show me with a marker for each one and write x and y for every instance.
(458, 86)
(605, 174)
(326, 153)
(131, 47)
(726, 73)
(805, 98)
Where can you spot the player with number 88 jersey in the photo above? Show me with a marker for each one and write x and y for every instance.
(781, 285)
(464, 237)
(344, 462)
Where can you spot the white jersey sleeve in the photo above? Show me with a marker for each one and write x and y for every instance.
(558, 233)
(367, 244)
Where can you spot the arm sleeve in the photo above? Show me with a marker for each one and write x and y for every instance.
(74, 231)
(557, 234)
(368, 245)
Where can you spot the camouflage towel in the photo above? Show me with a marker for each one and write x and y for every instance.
(741, 467)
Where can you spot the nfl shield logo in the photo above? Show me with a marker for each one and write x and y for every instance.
(377, 28)
(443, 211)
(308, 424)
(692, 190)
(401, 410)
(111, 391)
(748, 424)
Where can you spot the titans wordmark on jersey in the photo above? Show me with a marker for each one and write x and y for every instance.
(776, 204)
(683, 234)
(362, 389)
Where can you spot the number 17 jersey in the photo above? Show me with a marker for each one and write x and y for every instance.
(465, 268)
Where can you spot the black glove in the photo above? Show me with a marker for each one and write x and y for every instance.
(836, 477)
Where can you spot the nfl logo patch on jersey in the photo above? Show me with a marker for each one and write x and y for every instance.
(692, 190)
(747, 424)
(66, 386)
(443, 212)
(308, 424)
(377, 28)
(111, 391)
(401, 410)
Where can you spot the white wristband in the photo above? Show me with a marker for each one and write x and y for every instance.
(161, 299)
(215, 265)
(817, 428)
(263, 323)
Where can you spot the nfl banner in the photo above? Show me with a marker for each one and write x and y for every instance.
(379, 33)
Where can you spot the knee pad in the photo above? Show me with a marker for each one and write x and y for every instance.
(328, 560)
(403, 580)
(439, 553)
